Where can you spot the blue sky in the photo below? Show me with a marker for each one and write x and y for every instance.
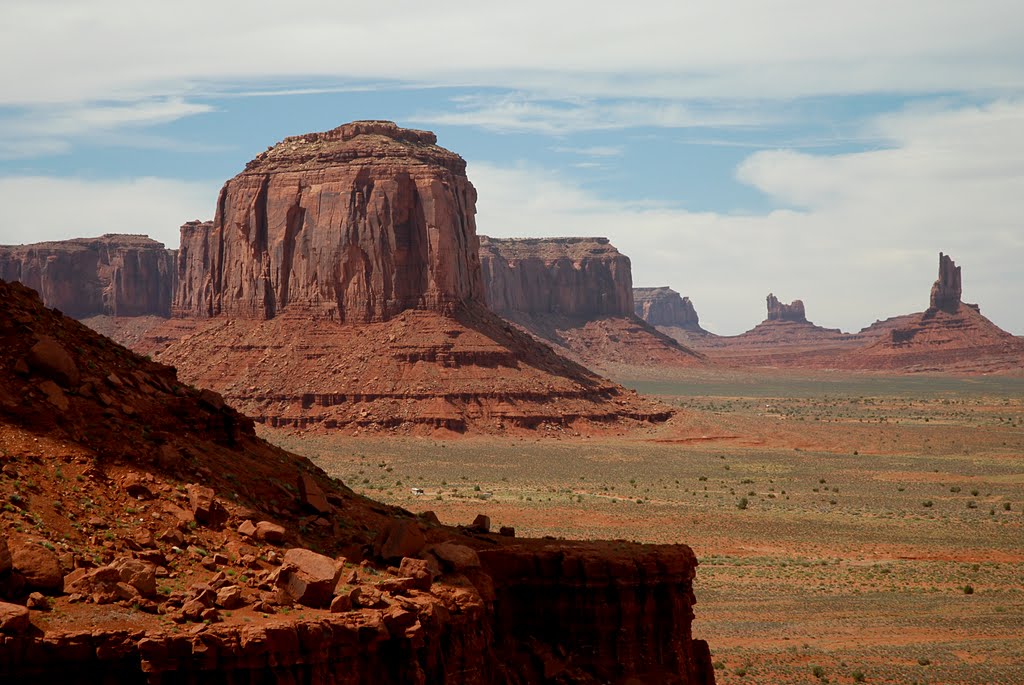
(822, 151)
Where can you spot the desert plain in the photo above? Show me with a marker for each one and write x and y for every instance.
(849, 527)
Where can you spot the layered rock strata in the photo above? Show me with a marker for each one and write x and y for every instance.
(355, 224)
(340, 286)
(145, 565)
(113, 275)
(576, 294)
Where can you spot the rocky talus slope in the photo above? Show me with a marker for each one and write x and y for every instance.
(150, 537)
(577, 295)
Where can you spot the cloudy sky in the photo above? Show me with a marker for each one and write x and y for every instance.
(819, 150)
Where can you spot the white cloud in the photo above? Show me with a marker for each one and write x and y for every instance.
(521, 112)
(860, 244)
(89, 50)
(43, 130)
(40, 208)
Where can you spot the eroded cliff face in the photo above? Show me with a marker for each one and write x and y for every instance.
(355, 224)
(113, 275)
(574, 277)
(576, 294)
(665, 307)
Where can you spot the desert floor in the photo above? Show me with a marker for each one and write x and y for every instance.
(849, 528)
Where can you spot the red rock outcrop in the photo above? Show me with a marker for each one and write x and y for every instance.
(355, 224)
(779, 311)
(339, 286)
(110, 481)
(113, 275)
(576, 294)
(950, 335)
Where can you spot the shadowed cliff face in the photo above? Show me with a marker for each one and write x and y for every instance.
(946, 291)
(114, 275)
(355, 224)
(572, 277)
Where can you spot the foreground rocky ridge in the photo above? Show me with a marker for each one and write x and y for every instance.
(151, 537)
(576, 294)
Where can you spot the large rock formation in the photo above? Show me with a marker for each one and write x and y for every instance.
(110, 443)
(355, 224)
(779, 311)
(113, 275)
(665, 307)
(576, 294)
(340, 286)
(574, 277)
(951, 335)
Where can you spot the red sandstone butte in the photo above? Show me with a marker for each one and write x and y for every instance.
(340, 287)
(354, 224)
(577, 295)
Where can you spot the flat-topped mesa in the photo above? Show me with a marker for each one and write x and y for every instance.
(947, 290)
(778, 311)
(663, 306)
(574, 277)
(354, 224)
(114, 274)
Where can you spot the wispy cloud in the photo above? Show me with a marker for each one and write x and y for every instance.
(593, 151)
(522, 112)
(37, 131)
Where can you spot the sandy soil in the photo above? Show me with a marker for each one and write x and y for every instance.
(848, 527)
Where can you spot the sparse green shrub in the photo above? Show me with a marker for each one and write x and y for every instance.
(742, 504)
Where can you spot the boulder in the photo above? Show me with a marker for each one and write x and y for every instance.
(418, 570)
(49, 358)
(455, 557)
(13, 618)
(247, 528)
(309, 578)
(312, 495)
(230, 597)
(481, 524)
(270, 532)
(138, 574)
(38, 566)
(399, 538)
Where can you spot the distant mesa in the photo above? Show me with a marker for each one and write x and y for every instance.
(778, 311)
(576, 294)
(665, 307)
(112, 275)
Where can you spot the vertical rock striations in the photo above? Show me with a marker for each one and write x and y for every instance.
(577, 294)
(113, 275)
(573, 277)
(354, 224)
(947, 289)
